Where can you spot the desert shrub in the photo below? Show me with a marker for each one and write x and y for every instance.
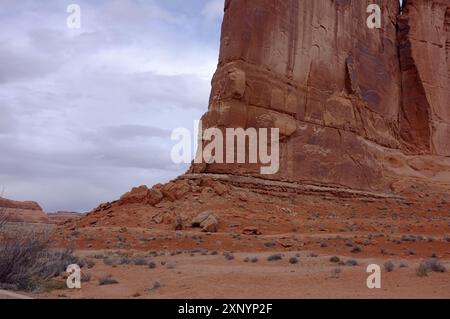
(140, 262)
(351, 262)
(356, 249)
(434, 265)
(228, 256)
(293, 260)
(422, 270)
(110, 261)
(115, 261)
(431, 265)
(247, 259)
(89, 263)
(270, 244)
(3, 217)
(85, 277)
(275, 257)
(254, 260)
(389, 266)
(27, 262)
(107, 280)
(335, 259)
(151, 265)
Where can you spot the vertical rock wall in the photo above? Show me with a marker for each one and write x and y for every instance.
(337, 90)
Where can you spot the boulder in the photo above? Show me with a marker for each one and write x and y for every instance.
(197, 220)
(207, 221)
(210, 224)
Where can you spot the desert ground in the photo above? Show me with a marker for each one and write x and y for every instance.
(252, 275)
(304, 245)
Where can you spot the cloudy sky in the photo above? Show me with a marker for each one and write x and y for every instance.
(86, 114)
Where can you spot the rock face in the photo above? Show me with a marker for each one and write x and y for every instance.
(424, 41)
(342, 95)
(28, 212)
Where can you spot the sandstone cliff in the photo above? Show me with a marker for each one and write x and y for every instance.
(355, 106)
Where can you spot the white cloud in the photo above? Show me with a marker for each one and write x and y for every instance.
(85, 115)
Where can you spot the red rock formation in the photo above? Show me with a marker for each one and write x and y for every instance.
(28, 212)
(363, 116)
(424, 48)
(342, 95)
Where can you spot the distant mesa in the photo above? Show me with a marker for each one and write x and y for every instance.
(62, 216)
(24, 212)
(31, 212)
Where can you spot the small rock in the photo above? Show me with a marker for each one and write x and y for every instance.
(243, 196)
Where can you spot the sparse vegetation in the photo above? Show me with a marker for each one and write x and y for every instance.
(335, 259)
(107, 280)
(293, 260)
(27, 262)
(434, 265)
(85, 277)
(151, 265)
(140, 261)
(389, 266)
(351, 262)
(270, 244)
(228, 256)
(356, 249)
(275, 257)
(422, 270)
(89, 263)
(116, 260)
(3, 217)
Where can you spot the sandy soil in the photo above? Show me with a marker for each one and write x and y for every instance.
(213, 276)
